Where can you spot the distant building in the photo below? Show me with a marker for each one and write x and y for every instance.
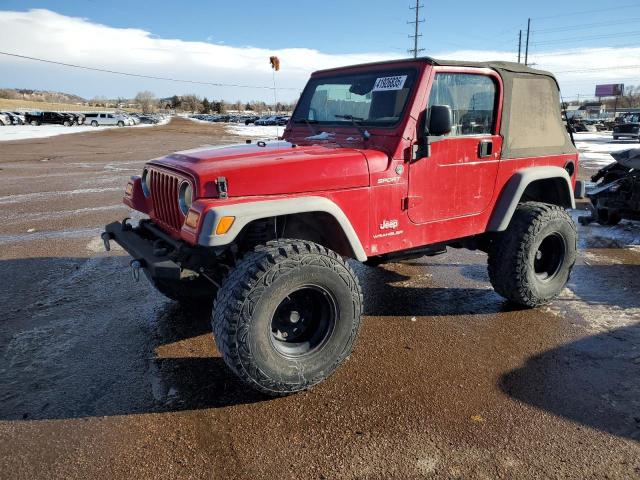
(586, 110)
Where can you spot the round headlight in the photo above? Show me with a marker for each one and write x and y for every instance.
(146, 182)
(185, 197)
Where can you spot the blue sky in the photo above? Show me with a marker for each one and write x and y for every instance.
(170, 39)
(353, 26)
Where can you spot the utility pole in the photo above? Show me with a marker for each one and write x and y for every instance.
(415, 50)
(526, 51)
(519, 45)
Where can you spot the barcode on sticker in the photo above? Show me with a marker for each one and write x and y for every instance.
(389, 83)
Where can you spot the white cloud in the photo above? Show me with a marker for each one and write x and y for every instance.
(46, 34)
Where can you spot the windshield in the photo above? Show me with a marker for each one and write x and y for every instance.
(371, 99)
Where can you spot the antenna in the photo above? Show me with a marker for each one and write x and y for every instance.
(415, 50)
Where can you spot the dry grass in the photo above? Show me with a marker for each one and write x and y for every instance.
(6, 104)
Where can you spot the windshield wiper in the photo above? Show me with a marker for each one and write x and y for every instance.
(356, 123)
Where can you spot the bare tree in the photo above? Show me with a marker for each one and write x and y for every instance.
(191, 103)
(147, 101)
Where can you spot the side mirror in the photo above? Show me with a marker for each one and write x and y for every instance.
(440, 123)
(440, 120)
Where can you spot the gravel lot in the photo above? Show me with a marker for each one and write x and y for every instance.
(101, 377)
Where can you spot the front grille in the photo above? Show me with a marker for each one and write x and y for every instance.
(164, 192)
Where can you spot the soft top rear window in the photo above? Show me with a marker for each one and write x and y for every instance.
(376, 98)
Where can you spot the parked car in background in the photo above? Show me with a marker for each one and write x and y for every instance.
(269, 120)
(13, 119)
(48, 118)
(134, 118)
(78, 118)
(251, 119)
(282, 120)
(20, 116)
(148, 119)
(5, 119)
(100, 118)
(628, 128)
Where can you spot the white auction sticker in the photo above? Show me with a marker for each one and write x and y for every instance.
(389, 83)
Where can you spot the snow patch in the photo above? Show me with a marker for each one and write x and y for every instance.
(596, 148)
(321, 136)
(10, 133)
(270, 131)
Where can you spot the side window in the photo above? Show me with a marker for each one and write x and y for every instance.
(472, 99)
(110, 116)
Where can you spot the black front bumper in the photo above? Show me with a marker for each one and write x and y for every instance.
(146, 245)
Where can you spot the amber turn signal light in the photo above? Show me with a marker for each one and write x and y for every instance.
(192, 219)
(129, 190)
(224, 225)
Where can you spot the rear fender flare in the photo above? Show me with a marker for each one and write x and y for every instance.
(245, 213)
(515, 188)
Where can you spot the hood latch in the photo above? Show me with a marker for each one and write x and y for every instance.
(221, 182)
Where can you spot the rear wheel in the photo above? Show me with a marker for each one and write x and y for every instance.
(287, 316)
(530, 263)
(34, 123)
(121, 124)
(66, 123)
(94, 123)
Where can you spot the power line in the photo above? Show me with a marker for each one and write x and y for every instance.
(571, 14)
(128, 74)
(546, 31)
(625, 67)
(577, 51)
(415, 50)
(588, 37)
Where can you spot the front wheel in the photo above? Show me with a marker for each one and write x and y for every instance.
(121, 124)
(530, 263)
(287, 316)
(94, 123)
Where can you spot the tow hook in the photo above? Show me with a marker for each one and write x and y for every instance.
(105, 239)
(135, 269)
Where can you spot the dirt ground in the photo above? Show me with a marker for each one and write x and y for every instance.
(101, 377)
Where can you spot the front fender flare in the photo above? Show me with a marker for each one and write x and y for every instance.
(245, 213)
(515, 187)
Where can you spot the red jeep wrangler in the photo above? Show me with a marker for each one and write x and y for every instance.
(379, 162)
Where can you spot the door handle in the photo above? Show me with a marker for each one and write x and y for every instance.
(485, 148)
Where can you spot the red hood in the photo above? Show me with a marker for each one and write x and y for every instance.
(278, 168)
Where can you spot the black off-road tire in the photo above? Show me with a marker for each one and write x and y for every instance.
(248, 303)
(518, 258)
(189, 293)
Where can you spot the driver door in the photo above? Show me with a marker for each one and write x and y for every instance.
(457, 179)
